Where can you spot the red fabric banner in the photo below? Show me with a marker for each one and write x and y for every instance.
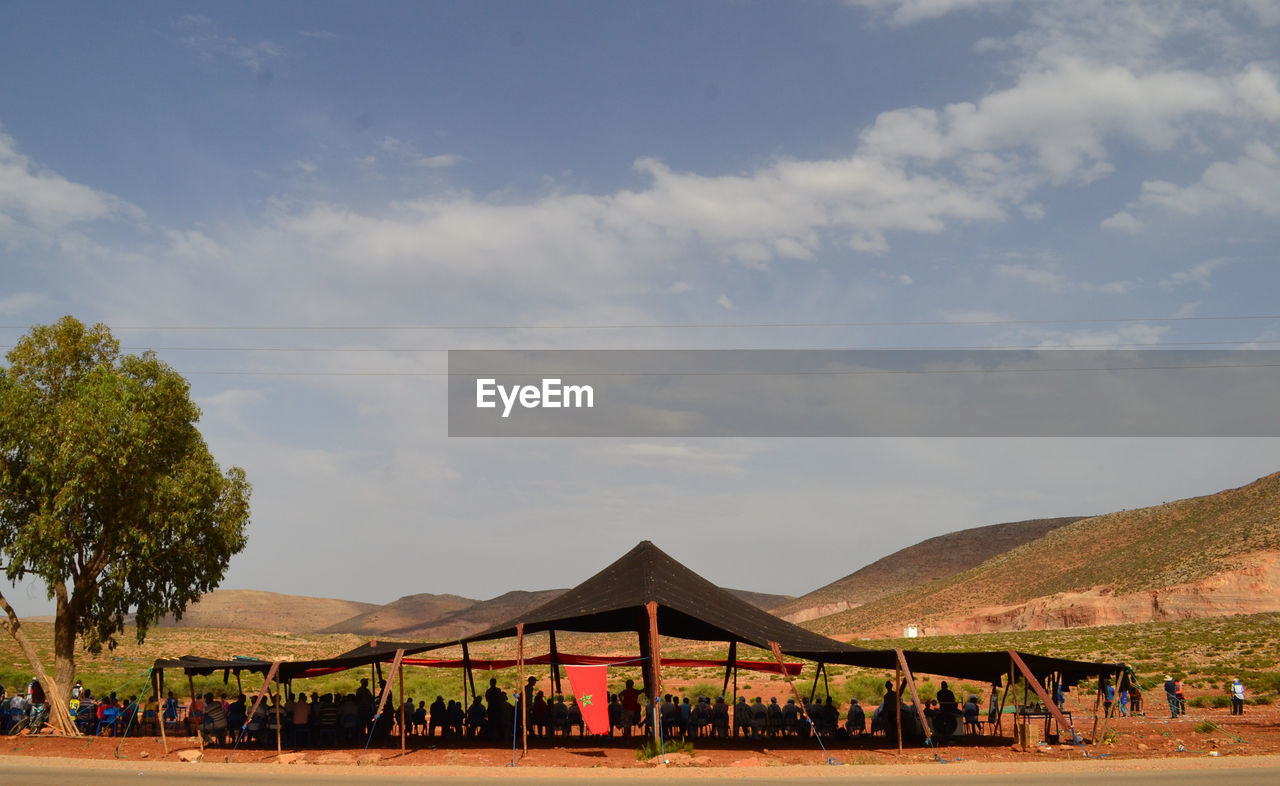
(590, 691)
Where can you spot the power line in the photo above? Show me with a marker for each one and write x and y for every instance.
(818, 372)
(688, 325)
(880, 348)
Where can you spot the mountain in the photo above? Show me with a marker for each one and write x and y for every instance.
(404, 612)
(436, 617)
(928, 560)
(761, 600)
(463, 621)
(1205, 556)
(265, 611)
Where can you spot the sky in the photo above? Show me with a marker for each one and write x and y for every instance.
(302, 206)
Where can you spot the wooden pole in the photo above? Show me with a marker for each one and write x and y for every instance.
(555, 665)
(651, 608)
(804, 711)
(400, 676)
(160, 714)
(191, 682)
(279, 720)
(1000, 711)
(522, 712)
(915, 696)
(816, 674)
(1030, 679)
(466, 666)
(729, 667)
(897, 704)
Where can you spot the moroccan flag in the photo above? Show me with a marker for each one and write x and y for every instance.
(588, 685)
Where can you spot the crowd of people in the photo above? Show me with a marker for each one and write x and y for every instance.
(334, 719)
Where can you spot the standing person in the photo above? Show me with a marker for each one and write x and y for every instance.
(1182, 699)
(630, 698)
(1135, 697)
(1109, 698)
(1237, 697)
(1171, 694)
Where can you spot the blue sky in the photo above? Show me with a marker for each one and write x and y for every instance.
(1079, 174)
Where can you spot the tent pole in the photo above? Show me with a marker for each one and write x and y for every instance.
(804, 711)
(160, 714)
(279, 722)
(730, 667)
(1030, 679)
(915, 695)
(897, 704)
(400, 679)
(522, 712)
(466, 667)
(191, 681)
(555, 665)
(655, 657)
(1000, 713)
(826, 686)
(816, 674)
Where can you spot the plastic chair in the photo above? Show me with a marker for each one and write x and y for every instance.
(108, 719)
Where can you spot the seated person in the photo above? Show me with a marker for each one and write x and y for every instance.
(857, 723)
(971, 711)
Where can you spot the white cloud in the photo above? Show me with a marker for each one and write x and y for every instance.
(905, 280)
(1054, 281)
(908, 12)
(211, 46)
(1123, 221)
(1251, 183)
(724, 302)
(442, 161)
(194, 245)
(20, 303)
(1198, 275)
(36, 199)
(1062, 116)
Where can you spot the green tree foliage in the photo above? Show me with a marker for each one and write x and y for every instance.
(108, 492)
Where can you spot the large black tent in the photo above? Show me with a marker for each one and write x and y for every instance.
(651, 594)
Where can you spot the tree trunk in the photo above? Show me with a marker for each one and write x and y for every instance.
(59, 712)
(64, 649)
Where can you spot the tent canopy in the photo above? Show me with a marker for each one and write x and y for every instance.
(689, 607)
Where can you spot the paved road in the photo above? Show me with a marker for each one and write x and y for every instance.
(92, 775)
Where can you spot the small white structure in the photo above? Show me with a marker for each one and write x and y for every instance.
(910, 632)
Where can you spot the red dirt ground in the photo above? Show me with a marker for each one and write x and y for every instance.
(1254, 734)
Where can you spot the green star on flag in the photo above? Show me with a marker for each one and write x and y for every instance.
(585, 699)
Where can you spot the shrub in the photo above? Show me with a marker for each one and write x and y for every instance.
(650, 749)
(1205, 727)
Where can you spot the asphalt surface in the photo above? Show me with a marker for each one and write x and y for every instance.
(210, 774)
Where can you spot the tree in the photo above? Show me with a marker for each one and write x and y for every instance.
(108, 492)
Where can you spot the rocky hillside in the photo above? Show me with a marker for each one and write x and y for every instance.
(265, 611)
(929, 560)
(1206, 556)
